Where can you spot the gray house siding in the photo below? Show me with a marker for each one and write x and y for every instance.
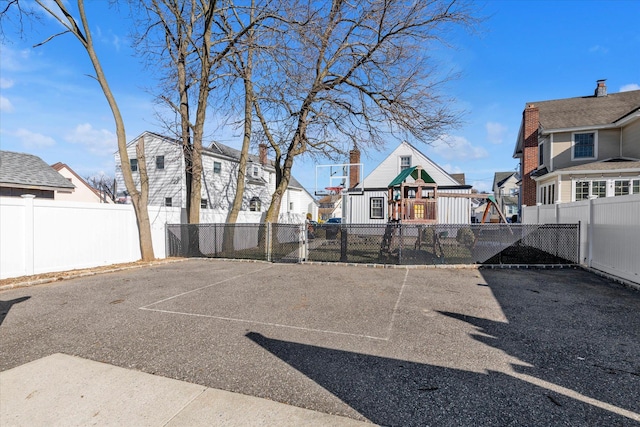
(631, 140)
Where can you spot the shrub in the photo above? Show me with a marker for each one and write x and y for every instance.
(465, 237)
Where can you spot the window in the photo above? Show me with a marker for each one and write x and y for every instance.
(621, 187)
(255, 204)
(636, 186)
(582, 190)
(541, 154)
(418, 211)
(204, 203)
(168, 201)
(290, 206)
(255, 171)
(159, 162)
(217, 167)
(375, 209)
(584, 145)
(405, 162)
(599, 188)
(134, 165)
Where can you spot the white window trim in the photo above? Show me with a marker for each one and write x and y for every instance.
(214, 167)
(551, 154)
(400, 157)
(595, 146)
(371, 208)
(541, 154)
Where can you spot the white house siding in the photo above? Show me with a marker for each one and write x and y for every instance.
(382, 175)
(355, 208)
(164, 183)
(454, 210)
(450, 210)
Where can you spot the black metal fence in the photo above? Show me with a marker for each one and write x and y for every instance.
(268, 242)
(403, 244)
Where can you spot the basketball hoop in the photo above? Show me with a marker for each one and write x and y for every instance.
(334, 190)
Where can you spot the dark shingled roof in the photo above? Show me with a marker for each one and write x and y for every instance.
(20, 169)
(500, 177)
(587, 110)
(604, 166)
(458, 177)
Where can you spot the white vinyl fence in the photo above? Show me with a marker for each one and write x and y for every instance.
(42, 236)
(609, 231)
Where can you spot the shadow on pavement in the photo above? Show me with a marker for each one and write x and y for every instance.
(579, 365)
(5, 306)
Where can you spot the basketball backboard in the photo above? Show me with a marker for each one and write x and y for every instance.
(335, 178)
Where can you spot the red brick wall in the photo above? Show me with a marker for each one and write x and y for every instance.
(531, 122)
(354, 171)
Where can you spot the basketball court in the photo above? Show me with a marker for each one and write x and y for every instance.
(392, 346)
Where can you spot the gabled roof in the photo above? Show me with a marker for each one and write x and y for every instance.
(458, 177)
(380, 176)
(500, 178)
(59, 166)
(23, 170)
(413, 171)
(587, 110)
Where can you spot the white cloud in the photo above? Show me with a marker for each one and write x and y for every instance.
(459, 148)
(5, 83)
(451, 169)
(13, 60)
(629, 87)
(5, 105)
(598, 49)
(98, 141)
(32, 140)
(482, 186)
(495, 132)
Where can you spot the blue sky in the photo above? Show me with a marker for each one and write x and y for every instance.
(524, 51)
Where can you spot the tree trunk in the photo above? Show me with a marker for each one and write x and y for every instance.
(139, 199)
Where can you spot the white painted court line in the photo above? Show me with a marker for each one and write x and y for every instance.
(204, 287)
(395, 308)
(255, 322)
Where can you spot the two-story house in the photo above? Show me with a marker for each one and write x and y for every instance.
(505, 191)
(578, 148)
(167, 182)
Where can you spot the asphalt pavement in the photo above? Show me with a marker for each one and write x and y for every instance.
(330, 344)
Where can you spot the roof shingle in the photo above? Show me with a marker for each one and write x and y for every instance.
(20, 169)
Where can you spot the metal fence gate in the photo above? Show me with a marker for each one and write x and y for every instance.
(401, 244)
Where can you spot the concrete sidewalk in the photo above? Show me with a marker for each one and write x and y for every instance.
(70, 391)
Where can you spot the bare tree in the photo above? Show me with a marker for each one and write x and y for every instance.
(194, 39)
(105, 184)
(80, 30)
(352, 74)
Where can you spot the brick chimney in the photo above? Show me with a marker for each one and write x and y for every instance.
(531, 123)
(601, 88)
(354, 157)
(263, 154)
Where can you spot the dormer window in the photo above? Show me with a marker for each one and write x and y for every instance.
(255, 171)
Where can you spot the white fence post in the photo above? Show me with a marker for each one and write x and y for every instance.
(29, 253)
(590, 233)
